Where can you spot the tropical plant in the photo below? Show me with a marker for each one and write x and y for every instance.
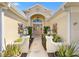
(46, 28)
(61, 51)
(12, 50)
(56, 38)
(30, 30)
(68, 50)
(18, 40)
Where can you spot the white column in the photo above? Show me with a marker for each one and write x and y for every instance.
(69, 26)
(1, 29)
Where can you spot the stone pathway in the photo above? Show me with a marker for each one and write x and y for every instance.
(36, 49)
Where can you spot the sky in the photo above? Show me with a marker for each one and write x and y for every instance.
(50, 5)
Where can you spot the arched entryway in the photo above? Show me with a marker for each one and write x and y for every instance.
(37, 23)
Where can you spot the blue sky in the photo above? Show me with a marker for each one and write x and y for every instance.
(50, 5)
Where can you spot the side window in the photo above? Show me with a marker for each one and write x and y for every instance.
(20, 28)
(55, 28)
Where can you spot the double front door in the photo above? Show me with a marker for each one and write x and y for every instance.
(37, 29)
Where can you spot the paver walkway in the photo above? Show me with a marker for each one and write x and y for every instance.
(36, 49)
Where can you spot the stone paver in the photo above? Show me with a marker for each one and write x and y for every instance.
(37, 49)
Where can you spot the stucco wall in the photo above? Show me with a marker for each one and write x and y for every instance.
(75, 26)
(11, 27)
(62, 25)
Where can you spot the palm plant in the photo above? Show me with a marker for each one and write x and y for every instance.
(68, 50)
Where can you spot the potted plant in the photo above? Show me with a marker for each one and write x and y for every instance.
(52, 43)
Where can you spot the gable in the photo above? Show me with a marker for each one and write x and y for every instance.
(38, 9)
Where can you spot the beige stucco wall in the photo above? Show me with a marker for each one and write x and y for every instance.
(75, 24)
(62, 25)
(11, 26)
(11, 29)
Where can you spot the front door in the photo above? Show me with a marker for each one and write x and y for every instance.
(37, 29)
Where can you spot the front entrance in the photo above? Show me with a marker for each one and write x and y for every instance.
(37, 29)
(37, 23)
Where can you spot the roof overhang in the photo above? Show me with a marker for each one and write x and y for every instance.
(62, 8)
(12, 8)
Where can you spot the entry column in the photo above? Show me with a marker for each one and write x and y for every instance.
(1, 30)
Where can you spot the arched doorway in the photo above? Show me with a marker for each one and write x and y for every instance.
(37, 23)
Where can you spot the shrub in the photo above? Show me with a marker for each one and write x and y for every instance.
(61, 51)
(56, 38)
(18, 40)
(11, 50)
(46, 28)
(68, 51)
(30, 30)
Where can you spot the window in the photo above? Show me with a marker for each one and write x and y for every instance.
(20, 28)
(37, 20)
(55, 28)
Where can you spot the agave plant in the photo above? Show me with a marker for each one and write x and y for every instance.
(11, 50)
(68, 50)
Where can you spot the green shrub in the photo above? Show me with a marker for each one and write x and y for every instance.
(56, 38)
(61, 51)
(12, 50)
(30, 30)
(46, 28)
(68, 51)
(18, 40)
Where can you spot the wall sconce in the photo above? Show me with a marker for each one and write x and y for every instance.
(75, 23)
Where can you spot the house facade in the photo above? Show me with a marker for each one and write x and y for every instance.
(37, 16)
(64, 21)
